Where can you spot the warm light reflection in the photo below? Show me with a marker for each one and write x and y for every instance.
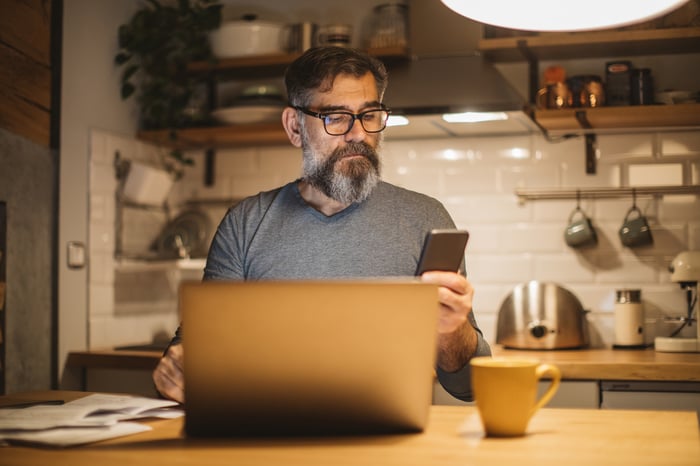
(474, 117)
(518, 153)
(451, 154)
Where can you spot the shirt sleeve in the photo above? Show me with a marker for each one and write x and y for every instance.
(459, 383)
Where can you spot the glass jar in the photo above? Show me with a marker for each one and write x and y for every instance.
(389, 26)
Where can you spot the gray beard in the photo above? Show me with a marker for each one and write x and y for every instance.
(354, 183)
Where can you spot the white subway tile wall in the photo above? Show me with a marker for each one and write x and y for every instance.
(475, 178)
(114, 318)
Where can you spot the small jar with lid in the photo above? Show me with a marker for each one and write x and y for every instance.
(629, 319)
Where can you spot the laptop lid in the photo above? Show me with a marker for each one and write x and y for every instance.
(308, 357)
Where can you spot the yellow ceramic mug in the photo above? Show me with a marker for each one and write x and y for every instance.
(505, 390)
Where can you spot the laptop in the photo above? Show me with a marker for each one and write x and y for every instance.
(295, 358)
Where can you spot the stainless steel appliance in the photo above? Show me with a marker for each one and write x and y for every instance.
(539, 315)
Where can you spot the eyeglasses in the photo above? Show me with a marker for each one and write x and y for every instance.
(340, 123)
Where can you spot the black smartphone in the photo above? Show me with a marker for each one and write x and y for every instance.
(443, 250)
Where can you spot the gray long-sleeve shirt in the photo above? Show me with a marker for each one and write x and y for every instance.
(277, 235)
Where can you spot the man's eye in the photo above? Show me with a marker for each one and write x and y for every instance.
(335, 118)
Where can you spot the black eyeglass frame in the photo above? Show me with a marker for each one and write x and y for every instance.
(355, 116)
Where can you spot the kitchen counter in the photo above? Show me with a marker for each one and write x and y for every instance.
(610, 364)
(453, 437)
(582, 364)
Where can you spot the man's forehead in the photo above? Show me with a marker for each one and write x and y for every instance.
(347, 86)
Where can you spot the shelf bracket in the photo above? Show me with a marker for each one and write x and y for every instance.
(532, 68)
(209, 166)
(591, 143)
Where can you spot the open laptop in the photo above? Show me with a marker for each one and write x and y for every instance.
(308, 357)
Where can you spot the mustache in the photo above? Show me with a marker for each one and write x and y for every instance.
(355, 148)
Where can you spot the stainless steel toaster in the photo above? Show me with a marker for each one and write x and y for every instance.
(537, 315)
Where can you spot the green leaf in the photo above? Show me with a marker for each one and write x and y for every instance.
(129, 72)
(127, 90)
(122, 58)
(158, 42)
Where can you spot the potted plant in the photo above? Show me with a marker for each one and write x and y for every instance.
(155, 47)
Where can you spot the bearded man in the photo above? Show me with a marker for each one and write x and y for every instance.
(339, 220)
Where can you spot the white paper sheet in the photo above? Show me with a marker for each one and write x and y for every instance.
(88, 419)
(66, 437)
(92, 410)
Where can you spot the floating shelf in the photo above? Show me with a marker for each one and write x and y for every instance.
(256, 66)
(257, 134)
(612, 119)
(575, 45)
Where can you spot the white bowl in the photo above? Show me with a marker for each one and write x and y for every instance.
(248, 114)
(241, 38)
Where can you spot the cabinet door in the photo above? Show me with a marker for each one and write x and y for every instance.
(682, 396)
(571, 394)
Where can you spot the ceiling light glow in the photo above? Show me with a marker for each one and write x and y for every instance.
(555, 15)
(474, 117)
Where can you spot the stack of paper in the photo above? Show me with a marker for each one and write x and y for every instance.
(89, 419)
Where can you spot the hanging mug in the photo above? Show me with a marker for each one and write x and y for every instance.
(580, 232)
(635, 231)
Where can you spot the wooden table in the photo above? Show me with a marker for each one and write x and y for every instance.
(453, 437)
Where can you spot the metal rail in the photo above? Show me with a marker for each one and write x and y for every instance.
(534, 194)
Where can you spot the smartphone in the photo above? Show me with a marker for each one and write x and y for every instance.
(443, 250)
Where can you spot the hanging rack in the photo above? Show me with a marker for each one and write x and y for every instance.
(534, 194)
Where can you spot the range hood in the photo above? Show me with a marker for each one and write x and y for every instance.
(426, 89)
(432, 85)
(446, 74)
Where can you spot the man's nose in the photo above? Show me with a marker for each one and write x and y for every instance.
(356, 133)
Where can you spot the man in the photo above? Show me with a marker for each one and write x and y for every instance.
(339, 219)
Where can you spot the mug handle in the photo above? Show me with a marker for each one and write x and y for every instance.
(555, 374)
(634, 209)
(577, 211)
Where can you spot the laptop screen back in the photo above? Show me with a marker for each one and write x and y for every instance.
(308, 357)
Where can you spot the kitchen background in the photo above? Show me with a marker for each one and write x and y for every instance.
(475, 178)
(112, 301)
(132, 301)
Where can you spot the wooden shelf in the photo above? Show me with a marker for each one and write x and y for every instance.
(667, 117)
(256, 66)
(545, 46)
(574, 45)
(258, 134)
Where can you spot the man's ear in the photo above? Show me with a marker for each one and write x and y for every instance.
(290, 121)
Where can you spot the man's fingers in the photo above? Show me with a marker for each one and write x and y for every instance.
(168, 376)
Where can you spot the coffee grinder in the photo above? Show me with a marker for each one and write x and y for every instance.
(685, 270)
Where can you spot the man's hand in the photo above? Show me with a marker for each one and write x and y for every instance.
(456, 337)
(169, 376)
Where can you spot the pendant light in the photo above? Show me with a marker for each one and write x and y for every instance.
(561, 15)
